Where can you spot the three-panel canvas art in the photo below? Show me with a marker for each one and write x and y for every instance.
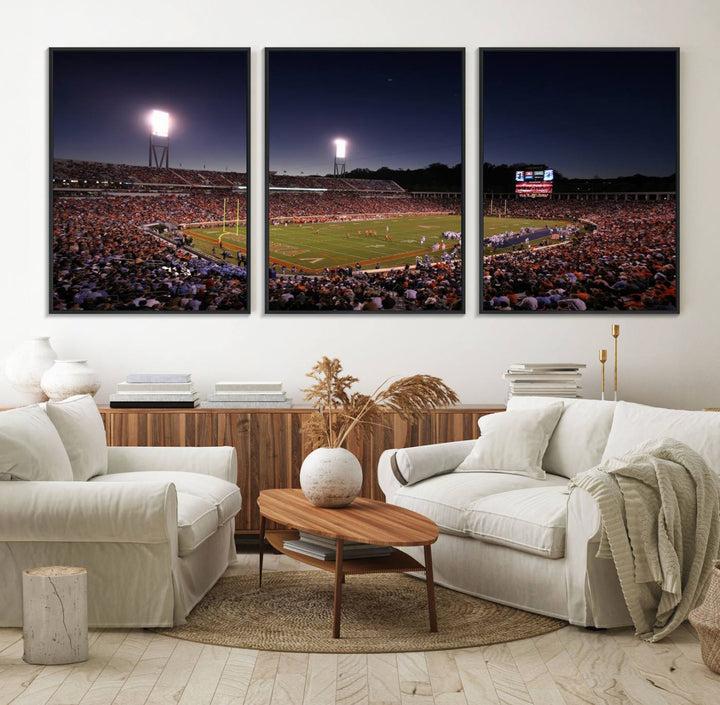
(365, 175)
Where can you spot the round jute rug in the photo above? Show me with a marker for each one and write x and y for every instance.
(380, 613)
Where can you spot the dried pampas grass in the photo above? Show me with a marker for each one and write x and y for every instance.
(338, 410)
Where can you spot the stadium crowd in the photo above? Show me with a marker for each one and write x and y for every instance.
(104, 260)
(333, 183)
(102, 174)
(626, 261)
(304, 207)
(425, 287)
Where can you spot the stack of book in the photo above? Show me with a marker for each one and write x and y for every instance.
(544, 379)
(155, 391)
(323, 548)
(247, 395)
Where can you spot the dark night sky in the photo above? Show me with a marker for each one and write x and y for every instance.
(401, 109)
(102, 100)
(584, 113)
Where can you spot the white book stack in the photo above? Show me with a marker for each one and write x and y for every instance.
(156, 391)
(323, 548)
(544, 379)
(247, 395)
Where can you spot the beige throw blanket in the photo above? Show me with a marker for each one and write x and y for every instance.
(659, 509)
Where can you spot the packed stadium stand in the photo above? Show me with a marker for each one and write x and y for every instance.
(333, 183)
(625, 260)
(71, 173)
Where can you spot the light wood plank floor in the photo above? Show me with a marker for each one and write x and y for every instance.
(567, 667)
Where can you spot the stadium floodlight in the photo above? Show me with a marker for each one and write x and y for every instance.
(340, 146)
(159, 139)
(160, 122)
(340, 149)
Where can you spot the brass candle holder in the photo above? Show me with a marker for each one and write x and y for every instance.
(603, 360)
(615, 330)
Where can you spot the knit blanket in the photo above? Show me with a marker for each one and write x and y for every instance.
(659, 506)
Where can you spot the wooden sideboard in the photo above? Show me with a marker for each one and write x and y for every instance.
(270, 443)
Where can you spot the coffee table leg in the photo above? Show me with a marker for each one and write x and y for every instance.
(261, 548)
(430, 588)
(337, 597)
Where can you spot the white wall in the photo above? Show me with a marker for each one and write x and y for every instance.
(666, 360)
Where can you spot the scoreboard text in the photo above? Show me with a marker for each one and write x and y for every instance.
(534, 182)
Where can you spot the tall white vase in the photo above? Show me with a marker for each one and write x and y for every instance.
(331, 477)
(66, 378)
(25, 366)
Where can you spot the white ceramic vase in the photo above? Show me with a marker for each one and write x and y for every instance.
(331, 477)
(25, 366)
(66, 378)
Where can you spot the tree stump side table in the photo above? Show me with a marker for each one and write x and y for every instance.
(55, 624)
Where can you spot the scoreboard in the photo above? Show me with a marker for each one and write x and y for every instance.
(534, 182)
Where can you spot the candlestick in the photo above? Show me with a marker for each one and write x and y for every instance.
(615, 330)
(603, 360)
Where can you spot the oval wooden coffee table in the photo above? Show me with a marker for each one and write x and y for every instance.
(366, 521)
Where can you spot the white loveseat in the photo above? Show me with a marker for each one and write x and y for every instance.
(529, 542)
(154, 527)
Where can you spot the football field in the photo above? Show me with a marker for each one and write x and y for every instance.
(382, 243)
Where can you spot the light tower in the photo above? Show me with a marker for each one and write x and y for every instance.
(339, 165)
(159, 155)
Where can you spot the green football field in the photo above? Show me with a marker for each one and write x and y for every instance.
(388, 242)
(385, 242)
(206, 240)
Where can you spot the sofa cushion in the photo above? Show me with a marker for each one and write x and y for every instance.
(30, 447)
(580, 437)
(513, 442)
(532, 520)
(634, 424)
(223, 495)
(446, 499)
(81, 429)
(197, 521)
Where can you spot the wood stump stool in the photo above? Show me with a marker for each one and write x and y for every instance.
(55, 625)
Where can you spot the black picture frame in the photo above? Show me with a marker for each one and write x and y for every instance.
(291, 86)
(118, 241)
(624, 255)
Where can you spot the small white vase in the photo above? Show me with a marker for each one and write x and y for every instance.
(25, 366)
(66, 378)
(331, 477)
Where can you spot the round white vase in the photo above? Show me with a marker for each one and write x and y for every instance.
(331, 477)
(25, 366)
(66, 378)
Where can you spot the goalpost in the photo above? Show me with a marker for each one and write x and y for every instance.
(225, 231)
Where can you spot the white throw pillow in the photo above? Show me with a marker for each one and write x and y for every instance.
(30, 447)
(80, 426)
(513, 442)
(579, 439)
(634, 424)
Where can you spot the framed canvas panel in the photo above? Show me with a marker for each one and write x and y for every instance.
(365, 181)
(149, 177)
(579, 154)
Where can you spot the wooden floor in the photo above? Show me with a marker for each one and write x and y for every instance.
(567, 666)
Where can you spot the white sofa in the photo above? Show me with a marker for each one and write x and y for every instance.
(154, 527)
(529, 542)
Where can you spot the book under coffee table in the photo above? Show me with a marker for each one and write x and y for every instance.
(364, 520)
